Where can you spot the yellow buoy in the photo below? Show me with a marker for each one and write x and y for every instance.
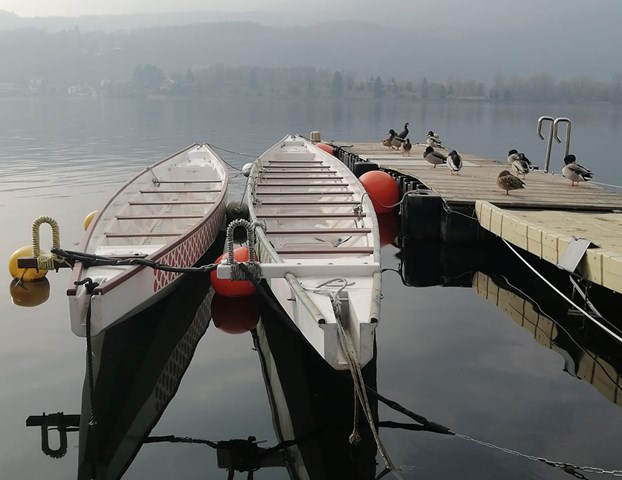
(25, 274)
(30, 294)
(88, 218)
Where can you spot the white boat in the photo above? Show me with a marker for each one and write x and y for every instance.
(318, 246)
(170, 213)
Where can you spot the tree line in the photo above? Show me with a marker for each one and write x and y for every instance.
(309, 82)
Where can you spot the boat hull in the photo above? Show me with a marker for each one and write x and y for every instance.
(314, 213)
(170, 214)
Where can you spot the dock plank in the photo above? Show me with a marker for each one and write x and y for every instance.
(547, 234)
(477, 181)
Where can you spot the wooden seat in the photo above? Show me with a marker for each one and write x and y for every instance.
(264, 183)
(311, 204)
(157, 217)
(141, 234)
(176, 202)
(310, 215)
(319, 231)
(212, 190)
(189, 181)
(337, 251)
(302, 194)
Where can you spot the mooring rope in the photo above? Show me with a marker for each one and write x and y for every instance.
(561, 294)
(90, 260)
(360, 389)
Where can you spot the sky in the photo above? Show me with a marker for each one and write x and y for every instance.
(71, 8)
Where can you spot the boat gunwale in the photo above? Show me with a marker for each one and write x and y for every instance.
(78, 269)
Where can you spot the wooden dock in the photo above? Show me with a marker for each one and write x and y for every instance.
(477, 181)
(542, 219)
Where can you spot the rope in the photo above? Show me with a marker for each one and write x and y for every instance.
(360, 390)
(560, 293)
(45, 261)
(90, 260)
(605, 184)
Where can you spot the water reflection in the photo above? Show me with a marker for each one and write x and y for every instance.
(137, 369)
(498, 276)
(312, 404)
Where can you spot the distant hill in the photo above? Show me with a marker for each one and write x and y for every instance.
(517, 38)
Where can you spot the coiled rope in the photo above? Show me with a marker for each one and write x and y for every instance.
(45, 261)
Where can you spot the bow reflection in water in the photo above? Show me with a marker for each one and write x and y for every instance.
(498, 276)
(137, 369)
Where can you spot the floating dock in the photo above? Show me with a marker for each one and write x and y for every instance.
(543, 218)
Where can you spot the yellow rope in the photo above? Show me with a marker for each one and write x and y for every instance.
(45, 261)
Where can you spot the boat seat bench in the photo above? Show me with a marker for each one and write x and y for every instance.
(324, 251)
(157, 217)
(178, 202)
(310, 215)
(319, 231)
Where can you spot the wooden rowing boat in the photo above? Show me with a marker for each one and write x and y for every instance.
(318, 243)
(170, 213)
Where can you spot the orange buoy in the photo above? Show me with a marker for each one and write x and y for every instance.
(388, 225)
(327, 148)
(233, 288)
(382, 189)
(29, 294)
(235, 315)
(24, 274)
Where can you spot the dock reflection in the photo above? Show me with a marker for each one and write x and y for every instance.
(497, 275)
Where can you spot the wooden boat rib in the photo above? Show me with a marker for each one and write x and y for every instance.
(169, 213)
(328, 248)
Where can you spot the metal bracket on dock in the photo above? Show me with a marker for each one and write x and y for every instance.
(573, 254)
(553, 134)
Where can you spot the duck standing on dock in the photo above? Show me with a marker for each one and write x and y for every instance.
(407, 147)
(433, 140)
(506, 181)
(575, 172)
(454, 162)
(435, 158)
(388, 142)
(400, 138)
(519, 162)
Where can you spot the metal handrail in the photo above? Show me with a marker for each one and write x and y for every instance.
(549, 144)
(553, 134)
(568, 128)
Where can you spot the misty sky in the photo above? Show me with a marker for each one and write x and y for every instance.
(32, 8)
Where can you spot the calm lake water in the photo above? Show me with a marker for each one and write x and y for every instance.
(461, 354)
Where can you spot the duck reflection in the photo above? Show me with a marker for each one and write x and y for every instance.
(497, 275)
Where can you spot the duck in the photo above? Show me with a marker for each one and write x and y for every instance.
(519, 162)
(407, 147)
(433, 140)
(435, 158)
(574, 172)
(404, 133)
(506, 181)
(454, 162)
(388, 142)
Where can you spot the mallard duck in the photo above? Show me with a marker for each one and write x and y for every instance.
(506, 181)
(388, 142)
(407, 147)
(519, 162)
(575, 172)
(454, 161)
(404, 133)
(435, 158)
(433, 140)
